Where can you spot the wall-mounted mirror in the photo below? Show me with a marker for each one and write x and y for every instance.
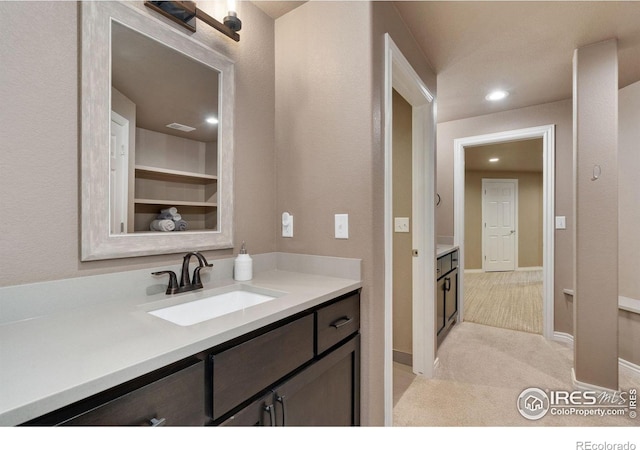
(157, 137)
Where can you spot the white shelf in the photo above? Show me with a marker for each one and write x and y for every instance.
(148, 201)
(173, 175)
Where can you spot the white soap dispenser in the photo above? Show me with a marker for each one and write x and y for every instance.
(243, 266)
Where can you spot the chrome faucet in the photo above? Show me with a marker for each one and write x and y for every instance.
(186, 284)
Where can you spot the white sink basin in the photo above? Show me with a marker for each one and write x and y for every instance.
(197, 311)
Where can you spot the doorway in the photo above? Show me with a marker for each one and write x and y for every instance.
(461, 146)
(400, 76)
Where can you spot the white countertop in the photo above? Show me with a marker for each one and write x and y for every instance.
(443, 249)
(64, 356)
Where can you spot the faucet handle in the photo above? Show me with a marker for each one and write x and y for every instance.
(197, 282)
(202, 260)
(172, 288)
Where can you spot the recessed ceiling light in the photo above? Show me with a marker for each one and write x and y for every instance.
(497, 95)
(212, 120)
(493, 160)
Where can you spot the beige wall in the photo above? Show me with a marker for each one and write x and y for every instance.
(402, 242)
(40, 150)
(529, 217)
(595, 118)
(629, 191)
(558, 113)
(330, 155)
(629, 218)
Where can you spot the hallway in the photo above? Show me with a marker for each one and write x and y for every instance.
(511, 300)
(482, 371)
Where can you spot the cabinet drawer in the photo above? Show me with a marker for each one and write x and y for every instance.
(177, 399)
(444, 264)
(454, 259)
(246, 369)
(337, 322)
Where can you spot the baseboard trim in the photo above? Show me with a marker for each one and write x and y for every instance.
(529, 269)
(403, 358)
(563, 337)
(582, 386)
(629, 366)
(622, 363)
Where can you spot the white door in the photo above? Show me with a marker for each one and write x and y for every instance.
(118, 173)
(499, 206)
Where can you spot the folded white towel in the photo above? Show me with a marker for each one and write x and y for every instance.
(173, 211)
(176, 217)
(162, 225)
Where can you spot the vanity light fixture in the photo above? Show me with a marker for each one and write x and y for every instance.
(185, 13)
(497, 95)
(494, 160)
(212, 120)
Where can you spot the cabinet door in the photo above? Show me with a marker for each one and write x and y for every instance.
(327, 393)
(451, 296)
(440, 315)
(260, 413)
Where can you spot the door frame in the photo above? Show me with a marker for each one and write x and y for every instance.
(399, 75)
(123, 174)
(515, 221)
(547, 133)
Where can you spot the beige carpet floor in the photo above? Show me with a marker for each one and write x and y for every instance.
(511, 300)
(482, 371)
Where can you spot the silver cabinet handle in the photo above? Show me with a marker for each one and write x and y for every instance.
(280, 399)
(272, 415)
(157, 422)
(342, 322)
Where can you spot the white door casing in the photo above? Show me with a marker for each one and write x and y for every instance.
(547, 133)
(399, 75)
(499, 225)
(118, 173)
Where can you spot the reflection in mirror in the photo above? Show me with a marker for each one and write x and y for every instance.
(164, 137)
(156, 136)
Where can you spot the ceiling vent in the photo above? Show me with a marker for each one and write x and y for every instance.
(179, 126)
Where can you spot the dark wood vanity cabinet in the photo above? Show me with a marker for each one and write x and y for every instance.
(447, 288)
(323, 390)
(170, 396)
(303, 370)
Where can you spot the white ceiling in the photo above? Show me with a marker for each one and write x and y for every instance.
(521, 46)
(515, 156)
(165, 85)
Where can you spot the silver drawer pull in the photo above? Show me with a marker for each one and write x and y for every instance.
(157, 422)
(342, 322)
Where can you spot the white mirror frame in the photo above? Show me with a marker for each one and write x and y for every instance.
(96, 241)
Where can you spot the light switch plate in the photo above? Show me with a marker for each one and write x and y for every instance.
(342, 226)
(561, 223)
(287, 225)
(401, 224)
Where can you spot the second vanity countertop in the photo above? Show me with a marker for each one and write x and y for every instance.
(443, 249)
(56, 359)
